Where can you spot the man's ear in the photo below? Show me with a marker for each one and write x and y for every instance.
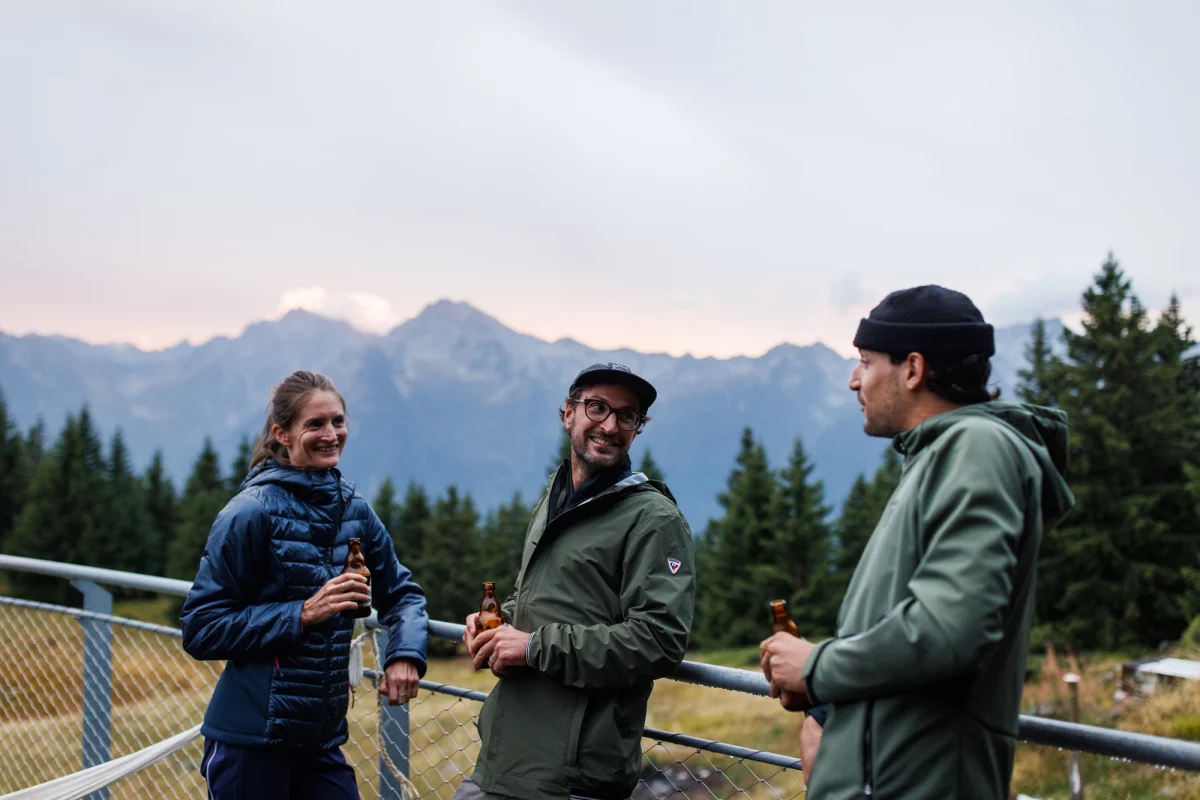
(916, 371)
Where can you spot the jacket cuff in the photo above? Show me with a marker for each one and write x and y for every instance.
(529, 650)
(296, 613)
(810, 672)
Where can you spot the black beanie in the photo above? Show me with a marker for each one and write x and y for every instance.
(926, 319)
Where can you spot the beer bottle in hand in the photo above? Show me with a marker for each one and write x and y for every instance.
(490, 613)
(356, 563)
(781, 620)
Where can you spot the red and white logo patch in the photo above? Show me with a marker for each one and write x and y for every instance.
(674, 564)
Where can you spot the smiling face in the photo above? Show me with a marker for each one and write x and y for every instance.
(317, 434)
(598, 445)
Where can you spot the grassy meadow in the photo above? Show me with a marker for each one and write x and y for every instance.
(159, 691)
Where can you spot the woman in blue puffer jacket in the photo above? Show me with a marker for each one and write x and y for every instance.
(268, 599)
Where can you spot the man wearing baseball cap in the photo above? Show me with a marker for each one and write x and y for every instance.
(603, 606)
(922, 681)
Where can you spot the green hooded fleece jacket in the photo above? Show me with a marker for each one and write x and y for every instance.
(924, 676)
(607, 589)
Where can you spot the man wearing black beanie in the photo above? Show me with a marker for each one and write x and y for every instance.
(922, 681)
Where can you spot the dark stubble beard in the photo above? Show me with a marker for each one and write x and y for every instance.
(881, 422)
(591, 464)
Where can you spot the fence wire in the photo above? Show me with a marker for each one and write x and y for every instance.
(158, 691)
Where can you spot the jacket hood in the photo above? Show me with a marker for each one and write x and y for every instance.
(1043, 430)
(320, 487)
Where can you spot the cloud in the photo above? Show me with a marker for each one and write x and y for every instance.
(767, 177)
(365, 311)
(847, 291)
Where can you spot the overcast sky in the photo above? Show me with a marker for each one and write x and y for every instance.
(704, 177)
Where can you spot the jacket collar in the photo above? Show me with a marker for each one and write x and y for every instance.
(318, 487)
(564, 496)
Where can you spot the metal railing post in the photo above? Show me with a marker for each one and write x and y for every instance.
(1076, 776)
(394, 735)
(97, 679)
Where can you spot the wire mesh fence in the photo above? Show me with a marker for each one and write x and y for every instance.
(675, 771)
(157, 691)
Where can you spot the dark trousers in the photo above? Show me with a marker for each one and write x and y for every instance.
(265, 773)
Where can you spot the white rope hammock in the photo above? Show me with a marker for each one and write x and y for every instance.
(80, 784)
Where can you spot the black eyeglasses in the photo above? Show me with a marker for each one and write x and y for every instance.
(597, 411)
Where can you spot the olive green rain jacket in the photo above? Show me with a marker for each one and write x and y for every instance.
(607, 588)
(924, 676)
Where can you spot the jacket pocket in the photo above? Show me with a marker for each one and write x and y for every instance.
(241, 703)
(610, 737)
(530, 729)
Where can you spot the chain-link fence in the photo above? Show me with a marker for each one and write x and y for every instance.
(49, 666)
(157, 691)
(79, 688)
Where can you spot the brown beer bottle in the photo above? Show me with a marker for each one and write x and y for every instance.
(781, 620)
(490, 613)
(356, 563)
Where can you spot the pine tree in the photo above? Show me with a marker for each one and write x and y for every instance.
(1190, 600)
(853, 529)
(735, 581)
(884, 482)
(802, 542)
(35, 445)
(1176, 346)
(1034, 380)
(449, 560)
(563, 454)
(650, 467)
(502, 543)
(1113, 573)
(204, 495)
(162, 511)
(15, 473)
(411, 528)
(861, 512)
(386, 507)
(240, 466)
(63, 508)
(125, 539)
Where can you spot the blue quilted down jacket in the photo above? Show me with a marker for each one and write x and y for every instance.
(285, 534)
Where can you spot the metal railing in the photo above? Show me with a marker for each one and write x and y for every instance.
(138, 687)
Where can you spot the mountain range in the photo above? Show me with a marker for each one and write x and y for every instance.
(453, 396)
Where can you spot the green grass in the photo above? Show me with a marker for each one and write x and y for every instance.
(739, 657)
(158, 610)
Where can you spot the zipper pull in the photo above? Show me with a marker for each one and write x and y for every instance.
(277, 667)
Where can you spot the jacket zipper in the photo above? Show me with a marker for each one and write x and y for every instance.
(527, 590)
(329, 562)
(546, 531)
(607, 493)
(868, 766)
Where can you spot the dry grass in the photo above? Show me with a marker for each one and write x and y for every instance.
(158, 691)
(1043, 771)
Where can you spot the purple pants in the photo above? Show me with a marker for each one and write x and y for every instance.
(252, 773)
